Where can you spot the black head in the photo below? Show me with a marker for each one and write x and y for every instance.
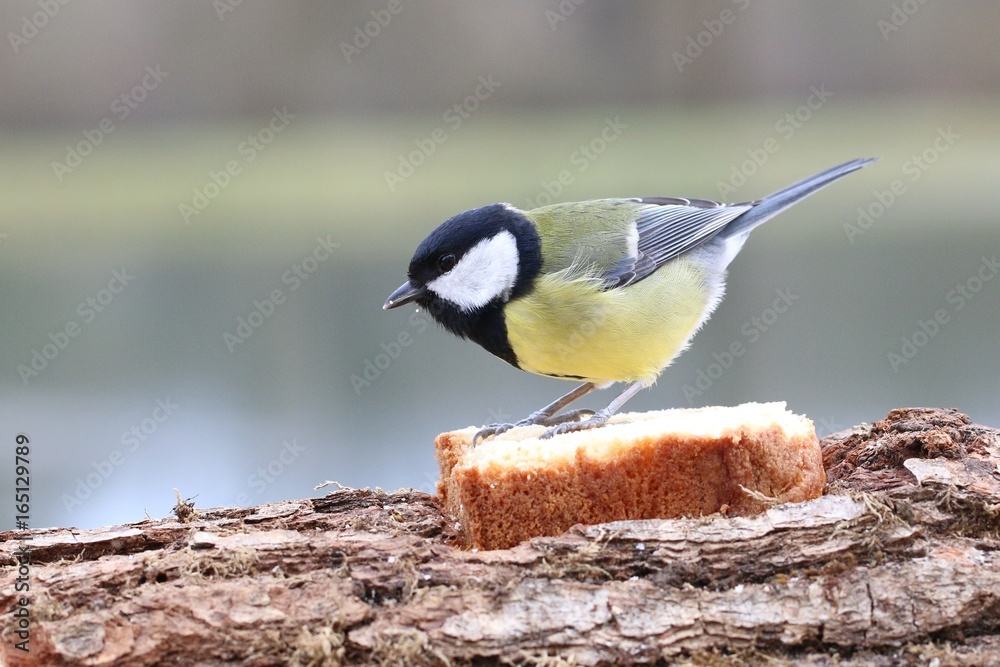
(469, 267)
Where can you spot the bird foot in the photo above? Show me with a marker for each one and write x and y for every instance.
(537, 419)
(596, 420)
(492, 430)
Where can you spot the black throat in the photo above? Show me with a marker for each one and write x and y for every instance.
(485, 326)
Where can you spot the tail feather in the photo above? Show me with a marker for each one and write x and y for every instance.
(778, 201)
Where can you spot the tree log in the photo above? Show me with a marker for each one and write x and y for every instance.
(898, 564)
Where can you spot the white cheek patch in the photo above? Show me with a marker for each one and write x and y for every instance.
(486, 271)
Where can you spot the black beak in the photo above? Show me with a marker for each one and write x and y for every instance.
(406, 293)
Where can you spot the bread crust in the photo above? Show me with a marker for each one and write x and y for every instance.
(665, 464)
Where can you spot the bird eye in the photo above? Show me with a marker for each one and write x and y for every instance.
(446, 263)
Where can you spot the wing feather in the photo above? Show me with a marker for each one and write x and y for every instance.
(669, 227)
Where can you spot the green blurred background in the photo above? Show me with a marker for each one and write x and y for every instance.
(214, 152)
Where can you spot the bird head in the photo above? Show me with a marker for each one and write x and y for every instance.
(477, 259)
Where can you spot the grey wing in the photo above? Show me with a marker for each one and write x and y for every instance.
(669, 227)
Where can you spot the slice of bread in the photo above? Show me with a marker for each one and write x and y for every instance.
(664, 464)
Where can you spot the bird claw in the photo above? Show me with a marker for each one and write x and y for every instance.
(596, 420)
(571, 416)
(559, 421)
(491, 430)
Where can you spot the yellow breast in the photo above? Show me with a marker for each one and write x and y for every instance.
(569, 326)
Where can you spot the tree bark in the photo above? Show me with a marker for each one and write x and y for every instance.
(898, 564)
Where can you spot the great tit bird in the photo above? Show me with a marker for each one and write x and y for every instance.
(602, 291)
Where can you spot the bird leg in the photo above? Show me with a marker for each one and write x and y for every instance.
(599, 418)
(547, 416)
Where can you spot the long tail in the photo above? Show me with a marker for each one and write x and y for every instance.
(775, 203)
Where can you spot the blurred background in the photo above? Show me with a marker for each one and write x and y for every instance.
(203, 206)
